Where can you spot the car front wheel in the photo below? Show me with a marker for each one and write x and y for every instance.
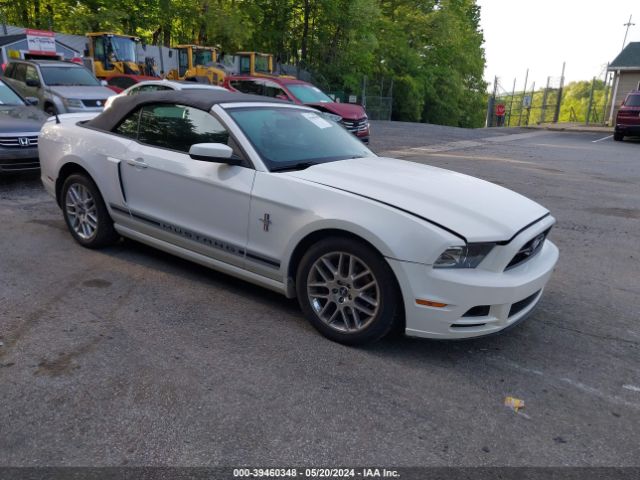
(347, 291)
(85, 213)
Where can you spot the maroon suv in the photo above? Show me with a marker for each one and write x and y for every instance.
(628, 118)
(352, 117)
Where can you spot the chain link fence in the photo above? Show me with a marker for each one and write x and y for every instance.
(585, 102)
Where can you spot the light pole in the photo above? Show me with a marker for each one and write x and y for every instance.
(628, 25)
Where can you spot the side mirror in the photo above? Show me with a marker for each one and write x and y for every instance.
(214, 152)
(32, 83)
(32, 101)
(104, 83)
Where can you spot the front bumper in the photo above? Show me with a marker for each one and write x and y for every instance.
(19, 159)
(503, 297)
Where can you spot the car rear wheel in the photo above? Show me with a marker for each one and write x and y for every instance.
(347, 291)
(617, 136)
(85, 213)
(50, 110)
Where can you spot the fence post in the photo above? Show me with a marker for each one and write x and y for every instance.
(513, 94)
(556, 115)
(490, 104)
(606, 94)
(364, 92)
(543, 111)
(533, 92)
(390, 99)
(524, 94)
(593, 86)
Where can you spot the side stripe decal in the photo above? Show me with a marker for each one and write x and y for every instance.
(200, 238)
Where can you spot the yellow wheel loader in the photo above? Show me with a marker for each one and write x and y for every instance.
(113, 54)
(198, 64)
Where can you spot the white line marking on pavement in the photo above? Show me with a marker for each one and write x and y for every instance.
(515, 136)
(633, 388)
(601, 139)
(568, 381)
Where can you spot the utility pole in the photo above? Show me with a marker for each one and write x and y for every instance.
(628, 25)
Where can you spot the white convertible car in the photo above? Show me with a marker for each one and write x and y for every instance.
(278, 195)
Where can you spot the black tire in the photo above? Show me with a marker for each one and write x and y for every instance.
(389, 299)
(618, 137)
(104, 233)
(50, 110)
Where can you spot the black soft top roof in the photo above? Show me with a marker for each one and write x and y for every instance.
(202, 99)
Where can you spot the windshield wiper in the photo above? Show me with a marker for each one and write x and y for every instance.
(295, 166)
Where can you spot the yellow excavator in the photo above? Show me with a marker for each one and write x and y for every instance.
(198, 64)
(113, 53)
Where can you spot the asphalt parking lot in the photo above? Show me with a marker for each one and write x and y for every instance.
(128, 356)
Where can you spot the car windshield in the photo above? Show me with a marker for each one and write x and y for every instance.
(309, 94)
(289, 138)
(262, 64)
(124, 49)
(632, 101)
(68, 76)
(202, 57)
(8, 96)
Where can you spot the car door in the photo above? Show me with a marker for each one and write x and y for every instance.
(33, 84)
(17, 77)
(198, 205)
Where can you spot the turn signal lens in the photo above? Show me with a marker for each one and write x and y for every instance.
(429, 303)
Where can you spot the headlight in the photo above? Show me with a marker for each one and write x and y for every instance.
(73, 102)
(467, 256)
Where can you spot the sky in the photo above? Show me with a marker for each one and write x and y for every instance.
(541, 34)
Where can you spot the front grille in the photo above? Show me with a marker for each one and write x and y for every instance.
(93, 103)
(23, 141)
(356, 126)
(528, 250)
(522, 304)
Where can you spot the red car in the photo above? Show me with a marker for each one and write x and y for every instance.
(352, 117)
(121, 82)
(628, 118)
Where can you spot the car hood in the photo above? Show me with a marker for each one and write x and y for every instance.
(21, 119)
(83, 93)
(348, 111)
(477, 210)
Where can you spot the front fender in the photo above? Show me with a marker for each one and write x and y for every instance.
(298, 208)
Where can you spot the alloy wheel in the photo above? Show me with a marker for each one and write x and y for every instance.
(343, 291)
(81, 211)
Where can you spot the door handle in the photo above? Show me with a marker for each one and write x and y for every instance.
(138, 163)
